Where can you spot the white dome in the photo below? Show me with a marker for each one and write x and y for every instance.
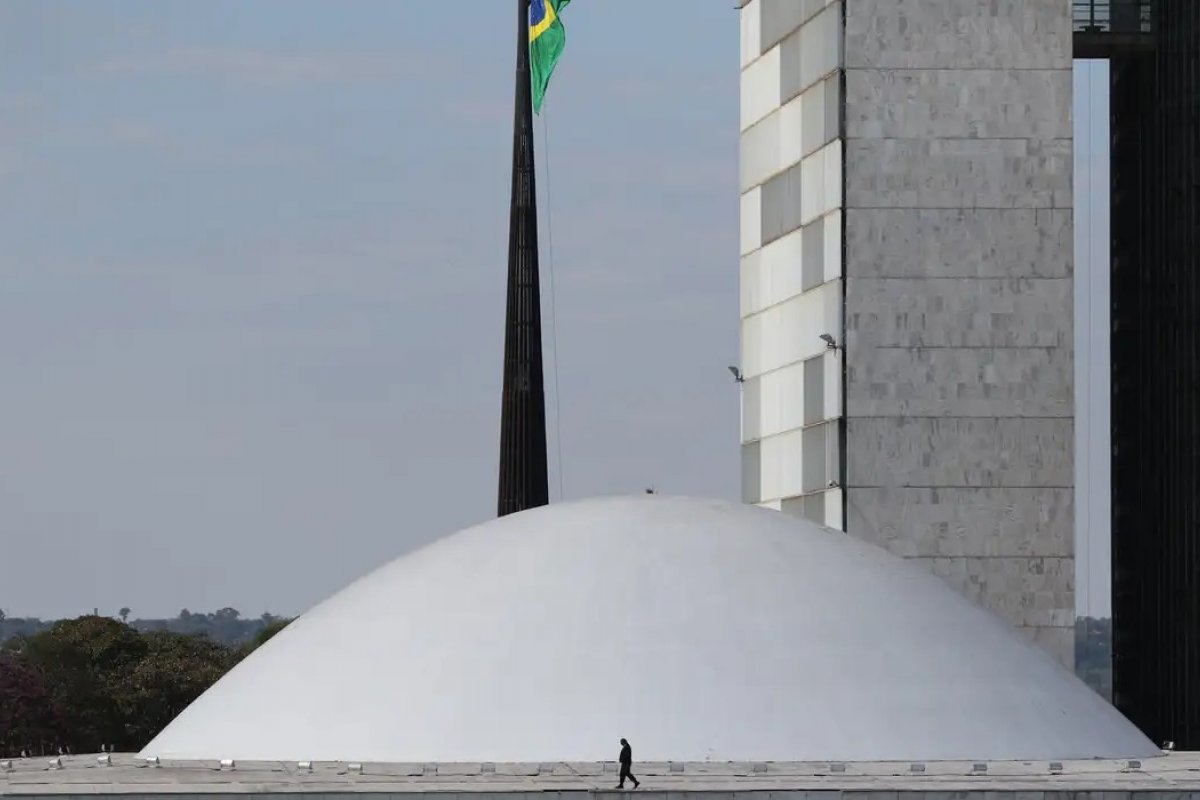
(699, 630)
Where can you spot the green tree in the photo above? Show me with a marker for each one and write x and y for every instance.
(124, 612)
(264, 635)
(81, 662)
(94, 681)
(175, 669)
(29, 722)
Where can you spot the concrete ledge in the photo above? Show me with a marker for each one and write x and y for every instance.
(1172, 777)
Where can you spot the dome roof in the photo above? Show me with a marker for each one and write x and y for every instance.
(700, 630)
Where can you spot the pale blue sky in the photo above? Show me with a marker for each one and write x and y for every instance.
(253, 264)
(1093, 468)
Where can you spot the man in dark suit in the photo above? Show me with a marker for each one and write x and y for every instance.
(626, 763)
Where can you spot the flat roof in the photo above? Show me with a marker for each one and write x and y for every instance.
(130, 775)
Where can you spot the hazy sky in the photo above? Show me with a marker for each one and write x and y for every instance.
(253, 273)
(1093, 440)
(254, 270)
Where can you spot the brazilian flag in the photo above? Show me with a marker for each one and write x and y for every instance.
(547, 37)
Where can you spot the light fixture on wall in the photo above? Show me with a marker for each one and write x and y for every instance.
(829, 341)
(737, 374)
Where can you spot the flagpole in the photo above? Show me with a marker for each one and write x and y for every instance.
(524, 477)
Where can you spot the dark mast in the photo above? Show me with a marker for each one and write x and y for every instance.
(524, 476)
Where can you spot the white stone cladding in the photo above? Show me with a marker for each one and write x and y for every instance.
(791, 256)
(921, 152)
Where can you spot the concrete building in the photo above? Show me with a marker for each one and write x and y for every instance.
(906, 192)
(745, 654)
(704, 631)
(1155, 67)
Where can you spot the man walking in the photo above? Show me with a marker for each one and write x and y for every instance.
(626, 763)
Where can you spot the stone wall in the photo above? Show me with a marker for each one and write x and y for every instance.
(958, 318)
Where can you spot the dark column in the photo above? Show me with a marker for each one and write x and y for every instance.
(1156, 379)
(523, 471)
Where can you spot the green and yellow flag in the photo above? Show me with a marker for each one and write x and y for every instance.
(547, 37)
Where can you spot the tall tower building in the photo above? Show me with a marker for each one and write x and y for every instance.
(906, 274)
(1156, 371)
